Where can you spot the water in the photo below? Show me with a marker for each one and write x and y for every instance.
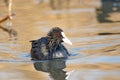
(92, 56)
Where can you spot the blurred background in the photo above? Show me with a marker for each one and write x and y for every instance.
(92, 25)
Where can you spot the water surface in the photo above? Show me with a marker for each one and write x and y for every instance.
(92, 56)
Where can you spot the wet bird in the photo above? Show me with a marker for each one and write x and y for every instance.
(50, 47)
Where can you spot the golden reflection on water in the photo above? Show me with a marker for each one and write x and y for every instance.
(33, 21)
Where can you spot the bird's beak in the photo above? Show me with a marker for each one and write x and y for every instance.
(65, 39)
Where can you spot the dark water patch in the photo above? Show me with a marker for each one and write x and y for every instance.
(107, 33)
(110, 50)
(107, 7)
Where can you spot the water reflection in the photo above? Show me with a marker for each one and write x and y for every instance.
(53, 67)
(95, 53)
(107, 7)
(12, 33)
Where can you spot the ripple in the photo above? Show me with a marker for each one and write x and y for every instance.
(92, 59)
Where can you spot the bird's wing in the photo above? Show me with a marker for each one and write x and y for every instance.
(43, 46)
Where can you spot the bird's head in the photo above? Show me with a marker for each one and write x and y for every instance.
(57, 35)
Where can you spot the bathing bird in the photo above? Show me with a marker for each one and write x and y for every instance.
(50, 46)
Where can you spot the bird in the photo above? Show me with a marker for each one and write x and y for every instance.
(50, 47)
